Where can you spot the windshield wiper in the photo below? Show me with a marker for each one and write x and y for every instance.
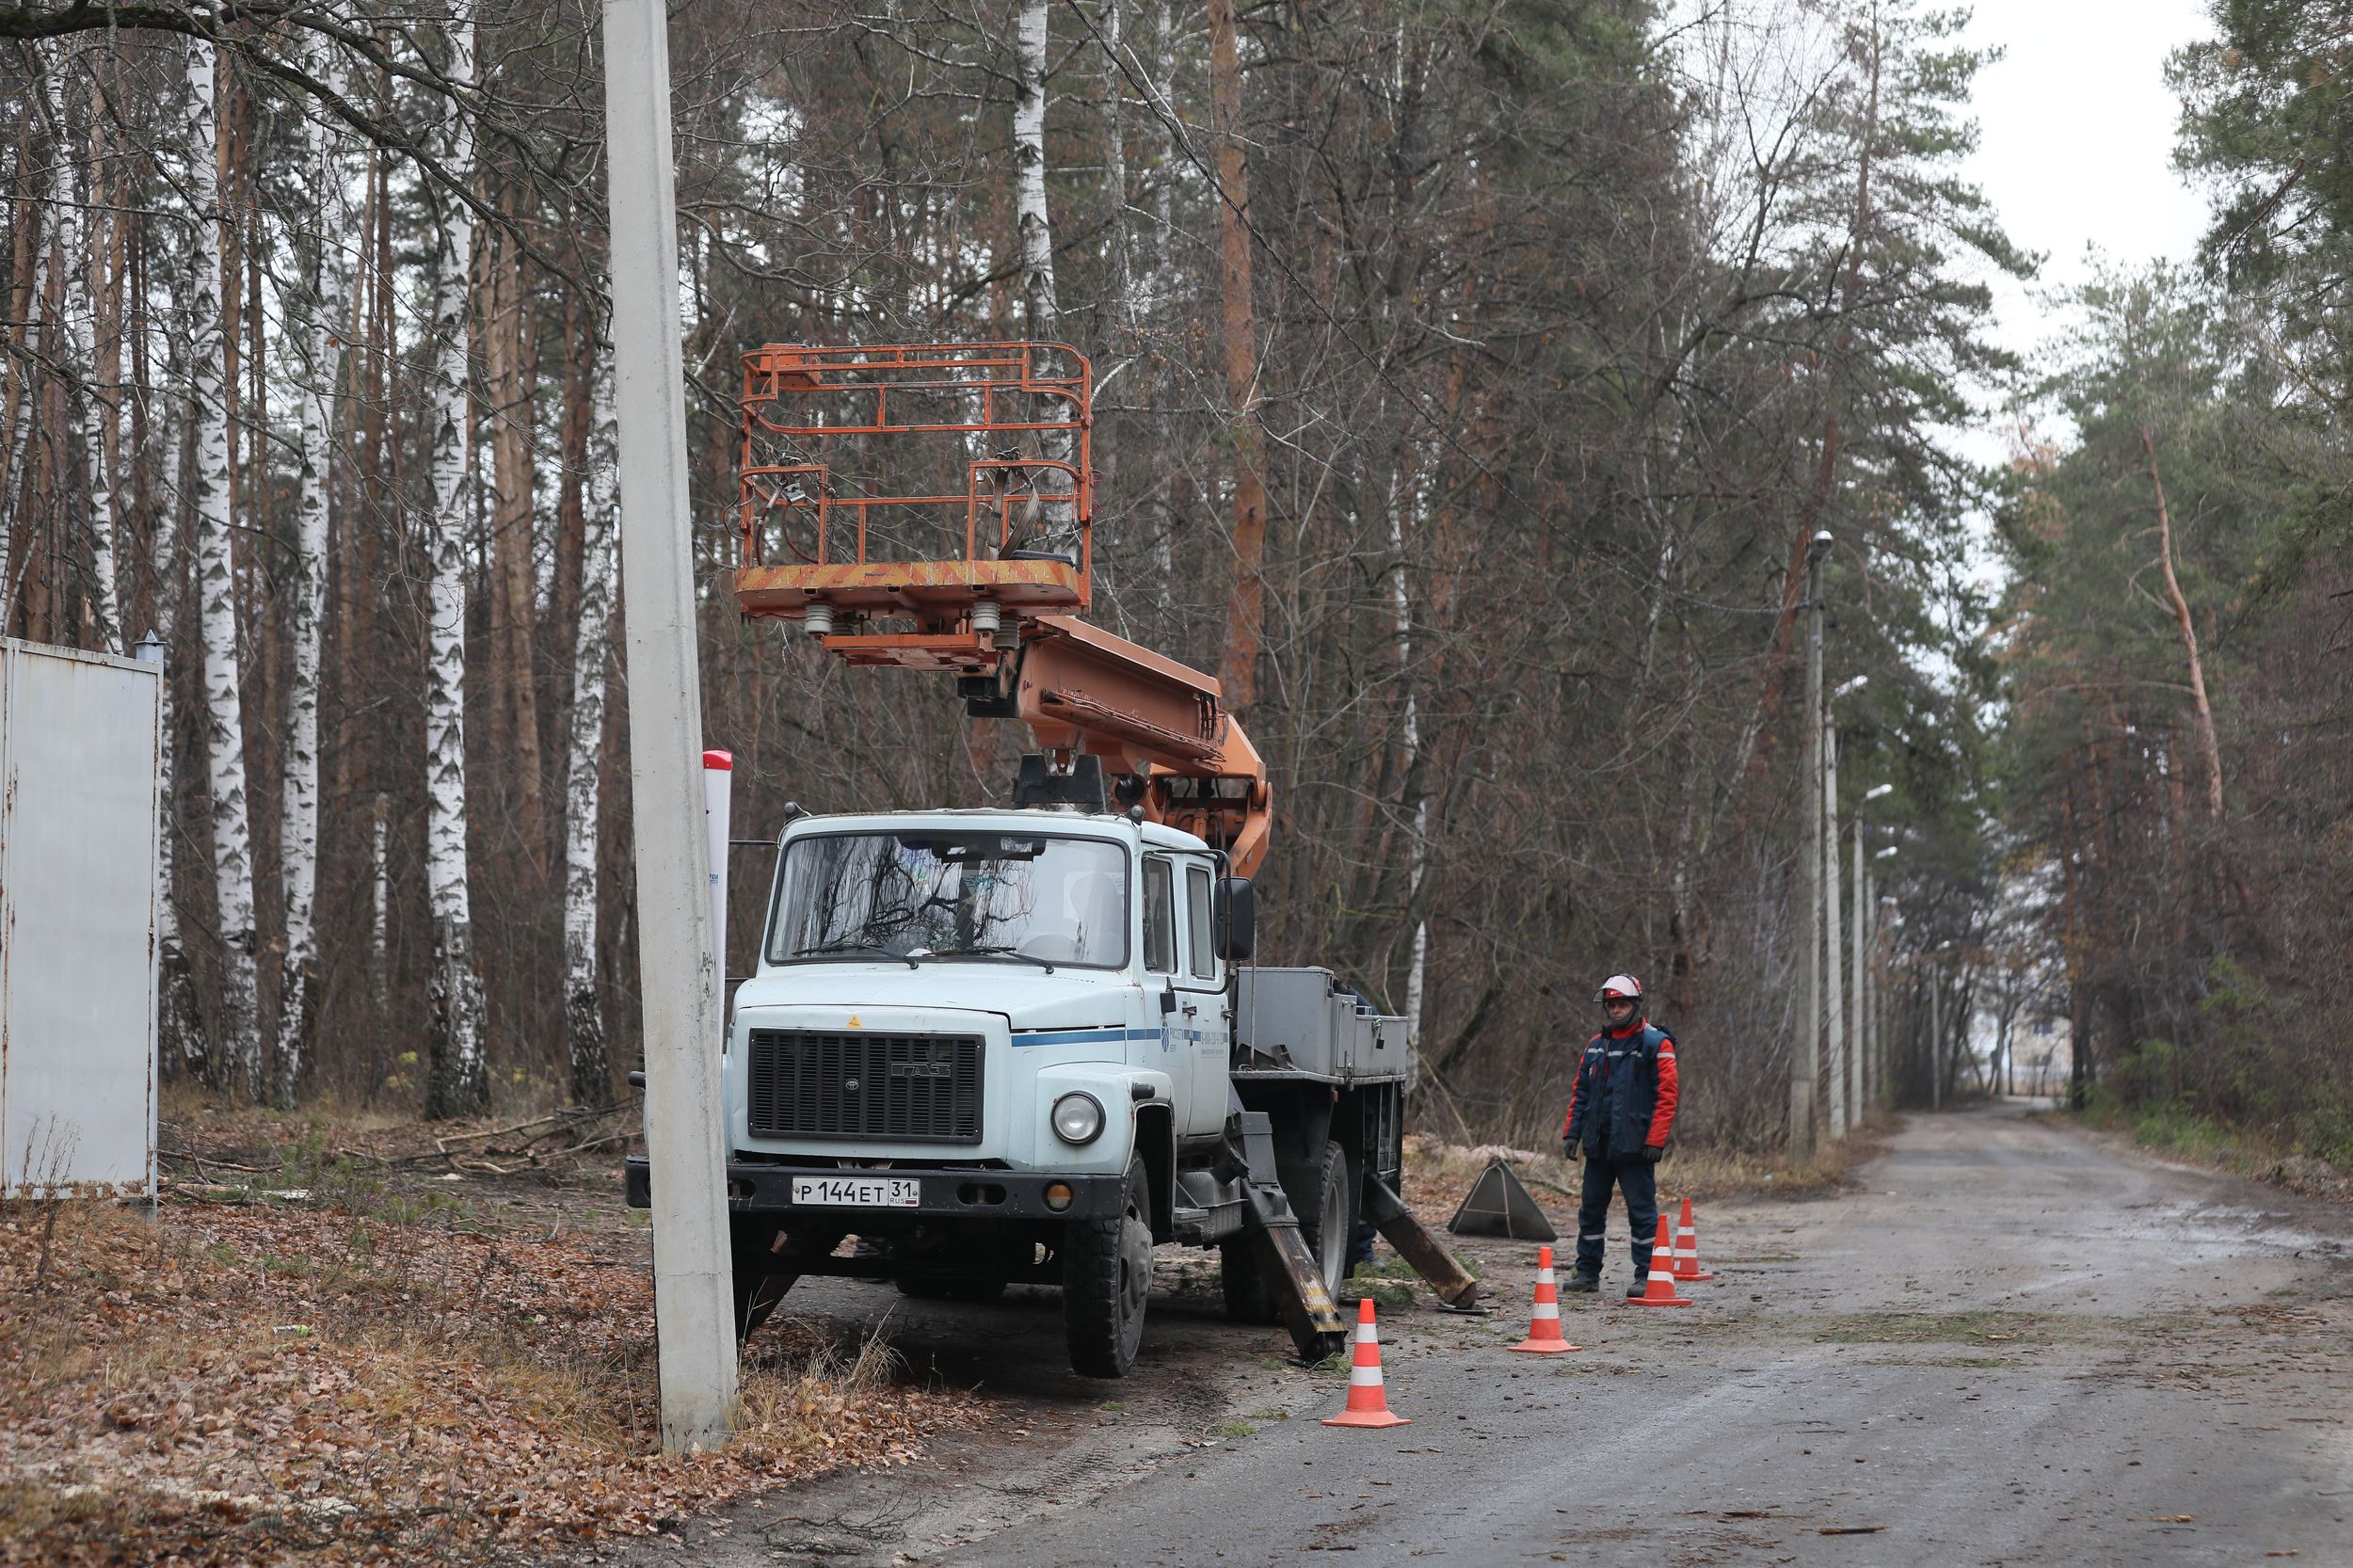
(856, 947)
(999, 950)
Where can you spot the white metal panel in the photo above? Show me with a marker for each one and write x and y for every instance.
(79, 736)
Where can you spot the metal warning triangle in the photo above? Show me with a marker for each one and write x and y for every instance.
(1499, 1205)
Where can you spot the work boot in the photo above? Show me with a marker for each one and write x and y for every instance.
(1582, 1284)
(1637, 1290)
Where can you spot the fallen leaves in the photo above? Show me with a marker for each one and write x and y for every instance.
(250, 1383)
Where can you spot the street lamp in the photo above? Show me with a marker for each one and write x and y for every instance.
(1879, 790)
(1887, 853)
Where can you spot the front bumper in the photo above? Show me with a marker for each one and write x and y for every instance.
(761, 1188)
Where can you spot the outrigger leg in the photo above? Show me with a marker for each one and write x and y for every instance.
(1397, 1226)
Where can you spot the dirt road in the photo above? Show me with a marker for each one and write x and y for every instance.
(2014, 1344)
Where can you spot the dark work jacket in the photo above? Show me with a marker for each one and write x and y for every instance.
(1638, 1069)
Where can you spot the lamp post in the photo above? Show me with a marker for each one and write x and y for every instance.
(1865, 915)
(1845, 1090)
(1804, 1061)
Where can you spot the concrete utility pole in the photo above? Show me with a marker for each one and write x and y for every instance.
(1835, 985)
(1804, 1061)
(1863, 921)
(1936, 1042)
(694, 1311)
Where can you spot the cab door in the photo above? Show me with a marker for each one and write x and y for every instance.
(1201, 1014)
(1163, 972)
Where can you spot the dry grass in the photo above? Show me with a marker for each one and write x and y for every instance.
(268, 1383)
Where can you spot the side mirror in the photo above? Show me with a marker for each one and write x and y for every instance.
(1236, 909)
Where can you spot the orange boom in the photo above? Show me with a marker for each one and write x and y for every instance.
(933, 506)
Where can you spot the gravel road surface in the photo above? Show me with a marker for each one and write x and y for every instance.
(2009, 1343)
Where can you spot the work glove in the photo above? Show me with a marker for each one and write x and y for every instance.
(1568, 1146)
(1654, 1152)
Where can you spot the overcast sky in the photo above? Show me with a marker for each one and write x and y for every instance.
(2077, 134)
(2076, 149)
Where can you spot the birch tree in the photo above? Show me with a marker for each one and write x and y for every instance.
(460, 1081)
(77, 253)
(1041, 310)
(237, 1056)
(584, 1022)
(325, 294)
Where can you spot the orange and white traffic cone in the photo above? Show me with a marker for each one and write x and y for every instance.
(1661, 1291)
(1687, 1249)
(1368, 1402)
(1543, 1323)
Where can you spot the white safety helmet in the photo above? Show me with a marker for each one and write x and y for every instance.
(1619, 986)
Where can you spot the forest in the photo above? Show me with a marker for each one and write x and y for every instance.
(1493, 363)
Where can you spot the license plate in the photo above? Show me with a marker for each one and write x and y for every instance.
(858, 1191)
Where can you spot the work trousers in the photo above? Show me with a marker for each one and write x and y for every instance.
(1639, 1179)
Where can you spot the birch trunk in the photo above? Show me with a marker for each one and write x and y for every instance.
(2210, 750)
(592, 1074)
(1405, 491)
(459, 1083)
(1116, 176)
(237, 1056)
(325, 288)
(178, 1024)
(1041, 311)
(1042, 320)
(76, 252)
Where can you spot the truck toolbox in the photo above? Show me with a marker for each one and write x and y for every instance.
(1305, 1021)
(765, 1188)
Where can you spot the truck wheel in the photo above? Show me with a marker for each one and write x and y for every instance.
(756, 1290)
(1327, 1221)
(1327, 1209)
(1106, 1278)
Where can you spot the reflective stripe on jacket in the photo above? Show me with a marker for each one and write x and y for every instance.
(1640, 1069)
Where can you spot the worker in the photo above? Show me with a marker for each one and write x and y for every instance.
(1620, 1115)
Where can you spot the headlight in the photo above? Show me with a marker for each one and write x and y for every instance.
(1077, 1119)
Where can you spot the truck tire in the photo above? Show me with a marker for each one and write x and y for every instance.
(1106, 1279)
(1327, 1218)
(757, 1289)
(1330, 1201)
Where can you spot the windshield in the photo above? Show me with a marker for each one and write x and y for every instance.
(922, 893)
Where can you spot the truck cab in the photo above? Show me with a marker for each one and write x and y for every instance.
(980, 1042)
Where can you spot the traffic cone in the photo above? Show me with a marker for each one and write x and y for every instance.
(1368, 1404)
(1687, 1249)
(1661, 1291)
(1543, 1323)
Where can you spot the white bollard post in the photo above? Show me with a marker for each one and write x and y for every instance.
(719, 786)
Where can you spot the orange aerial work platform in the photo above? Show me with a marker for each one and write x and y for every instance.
(931, 506)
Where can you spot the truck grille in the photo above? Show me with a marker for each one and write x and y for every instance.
(864, 1084)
